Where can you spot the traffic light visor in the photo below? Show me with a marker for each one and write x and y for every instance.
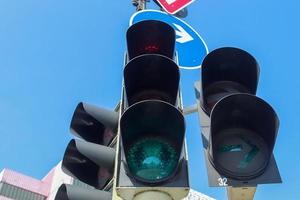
(150, 37)
(227, 71)
(71, 192)
(152, 134)
(89, 163)
(151, 76)
(62, 193)
(243, 134)
(94, 124)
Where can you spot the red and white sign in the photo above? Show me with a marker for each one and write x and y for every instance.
(173, 6)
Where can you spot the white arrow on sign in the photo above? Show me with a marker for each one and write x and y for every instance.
(183, 35)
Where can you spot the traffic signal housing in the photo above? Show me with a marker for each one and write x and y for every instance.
(239, 129)
(152, 128)
(91, 158)
(94, 124)
(227, 71)
(70, 192)
(150, 37)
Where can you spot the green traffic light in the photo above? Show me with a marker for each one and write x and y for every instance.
(152, 159)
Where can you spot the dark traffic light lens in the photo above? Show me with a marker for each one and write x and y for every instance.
(240, 153)
(152, 159)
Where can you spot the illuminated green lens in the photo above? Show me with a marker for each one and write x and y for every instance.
(152, 159)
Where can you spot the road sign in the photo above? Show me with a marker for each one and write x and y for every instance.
(173, 6)
(190, 46)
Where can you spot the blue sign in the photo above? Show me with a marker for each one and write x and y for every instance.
(191, 48)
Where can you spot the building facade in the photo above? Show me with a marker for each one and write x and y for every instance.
(14, 185)
(17, 186)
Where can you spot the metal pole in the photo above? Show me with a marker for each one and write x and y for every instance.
(190, 109)
(241, 193)
(140, 4)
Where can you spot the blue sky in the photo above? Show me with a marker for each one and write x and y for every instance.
(54, 54)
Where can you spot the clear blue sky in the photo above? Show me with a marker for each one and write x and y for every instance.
(54, 54)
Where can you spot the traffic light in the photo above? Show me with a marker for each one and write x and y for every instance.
(238, 128)
(70, 192)
(153, 160)
(90, 158)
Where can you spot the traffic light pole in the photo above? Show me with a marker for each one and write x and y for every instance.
(238, 193)
(140, 4)
(190, 109)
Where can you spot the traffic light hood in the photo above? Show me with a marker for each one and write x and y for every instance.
(226, 71)
(151, 76)
(152, 136)
(244, 128)
(94, 124)
(89, 162)
(150, 36)
(70, 192)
